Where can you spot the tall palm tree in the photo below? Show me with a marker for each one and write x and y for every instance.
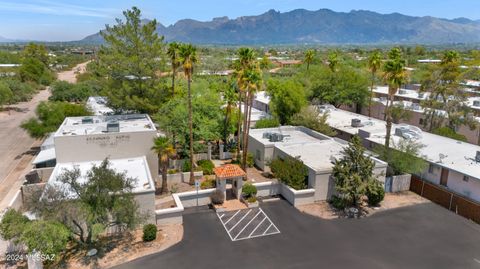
(246, 56)
(309, 56)
(253, 78)
(374, 63)
(230, 98)
(188, 58)
(165, 150)
(172, 52)
(394, 75)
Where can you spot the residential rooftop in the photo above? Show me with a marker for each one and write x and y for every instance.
(98, 105)
(262, 97)
(316, 150)
(412, 94)
(136, 168)
(89, 125)
(445, 152)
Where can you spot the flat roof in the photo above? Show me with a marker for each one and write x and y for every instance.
(132, 167)
(45, 155)
(257, 114)
(446, 152)
(89, 125)
(316, 150)
(98, 105)
(416, 107)
(262, 97)
(412, 94)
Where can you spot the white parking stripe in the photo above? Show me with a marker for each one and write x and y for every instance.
(271, 225)
(270, 221)
(225, 227)
(240, 220)
(268, 228)
(247, 224)
(232, 217)
(264, 218)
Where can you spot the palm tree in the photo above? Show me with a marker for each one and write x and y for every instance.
(165, 150)
(188, 58)
(394, 75)
(309, 56)
(253, 79)
(374, 62)
(333, 61)
(172, 52)
(230, 98)
(246, 56)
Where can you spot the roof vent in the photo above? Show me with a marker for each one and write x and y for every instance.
(408, 132)
(356, 123)
(113, 127)
(267, 135)
(276, 137)
(87, 120)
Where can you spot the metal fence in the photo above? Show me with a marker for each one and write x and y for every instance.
(448, 199)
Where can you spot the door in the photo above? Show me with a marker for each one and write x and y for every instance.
(444, 177)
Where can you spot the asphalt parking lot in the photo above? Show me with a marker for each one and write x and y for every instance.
(420, 236)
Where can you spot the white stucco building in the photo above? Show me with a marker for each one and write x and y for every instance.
(315, 150)
(453, 164)
(126, 140)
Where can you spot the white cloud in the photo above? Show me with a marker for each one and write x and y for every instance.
(52, 8)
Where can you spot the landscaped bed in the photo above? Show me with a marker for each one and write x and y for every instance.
(117, 250)
(325, 210)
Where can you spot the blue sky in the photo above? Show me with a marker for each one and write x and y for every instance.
(72, 20)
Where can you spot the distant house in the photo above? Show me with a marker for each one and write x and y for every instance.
(285, 63)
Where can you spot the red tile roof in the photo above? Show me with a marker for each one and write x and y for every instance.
(229, 171)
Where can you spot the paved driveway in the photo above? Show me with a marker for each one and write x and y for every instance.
(421, 236)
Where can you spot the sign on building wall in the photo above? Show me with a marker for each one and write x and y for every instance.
(108, 140)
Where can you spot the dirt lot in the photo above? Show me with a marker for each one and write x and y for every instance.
(16, 146)
(392, 200)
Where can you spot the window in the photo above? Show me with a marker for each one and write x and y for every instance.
(431, 168)
(466, 178)
(421, 121)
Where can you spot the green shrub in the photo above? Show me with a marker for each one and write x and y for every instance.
(266, 123)
(250, 160)
(337, 202)
(447, 132)
(252, 199)
(186, 166)
(217, 197)
(206, 166)
(149, 232)
(249, 190)
(290, 171)
(208, 184)
(375, 192)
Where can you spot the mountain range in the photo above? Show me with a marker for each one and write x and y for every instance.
(323, 26)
